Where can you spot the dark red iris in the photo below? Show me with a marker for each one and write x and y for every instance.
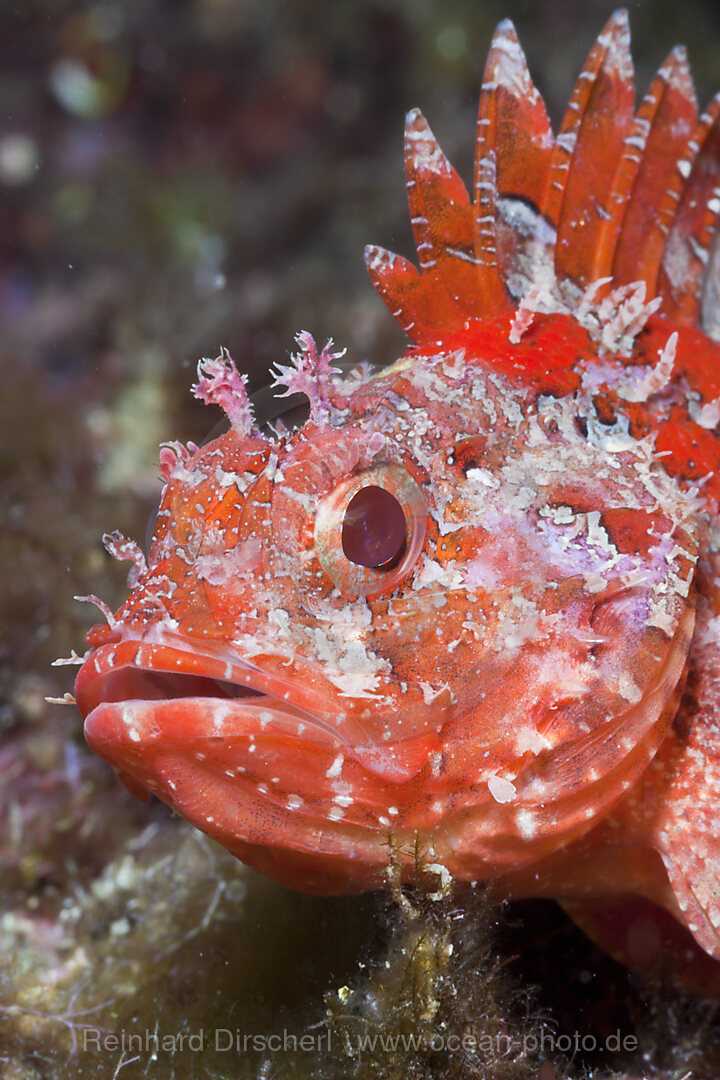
(373, 532)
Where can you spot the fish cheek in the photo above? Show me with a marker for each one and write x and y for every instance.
(415, 635)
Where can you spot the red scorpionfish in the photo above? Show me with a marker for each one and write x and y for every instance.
(472, 607)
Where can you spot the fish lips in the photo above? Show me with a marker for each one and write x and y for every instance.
(147, 703)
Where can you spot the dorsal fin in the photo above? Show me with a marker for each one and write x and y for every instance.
(615, 198)
(442, 218)
(421, 306)
(687, 248)
(512, 156)
(646, 189)
(588, 150)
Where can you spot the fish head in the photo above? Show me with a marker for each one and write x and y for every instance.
(447, 611)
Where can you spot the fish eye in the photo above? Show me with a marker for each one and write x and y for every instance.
(374, 529)
(370, 529)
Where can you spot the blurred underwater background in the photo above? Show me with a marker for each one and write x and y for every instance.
(176, 176)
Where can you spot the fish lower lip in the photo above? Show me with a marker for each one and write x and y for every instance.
(187, 721)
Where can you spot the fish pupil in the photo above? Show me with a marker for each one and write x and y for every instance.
(374, 531)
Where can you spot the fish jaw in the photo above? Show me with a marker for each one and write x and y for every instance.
(268, 779)
(208, 763)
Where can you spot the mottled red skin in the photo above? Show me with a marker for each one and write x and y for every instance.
(529, 692)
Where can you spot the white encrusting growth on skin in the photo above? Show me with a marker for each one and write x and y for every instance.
(354, 685)
(336, 768)
(707, 415)
(643, 383)
(432, 573)
(427, 155)
(431, 693)
(511, 69)
(502, 790)
(227, 479)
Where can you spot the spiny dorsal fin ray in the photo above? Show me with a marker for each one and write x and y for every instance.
(512, 159)
(687, 248)
(710, 299)
(442, 219)
(664, 122)
(438, 199)
(424, 310)
(587, 150)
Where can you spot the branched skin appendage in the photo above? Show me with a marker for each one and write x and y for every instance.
(220, 383)
(310, 373)
(453, 614)
(174, 455)
(125, 550)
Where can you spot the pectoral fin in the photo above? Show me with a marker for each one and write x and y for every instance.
(671, 820)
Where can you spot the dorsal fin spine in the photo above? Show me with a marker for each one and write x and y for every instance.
(617, 197)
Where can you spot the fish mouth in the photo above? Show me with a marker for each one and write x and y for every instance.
(248, 758)
(143, 701)
(135, 673)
